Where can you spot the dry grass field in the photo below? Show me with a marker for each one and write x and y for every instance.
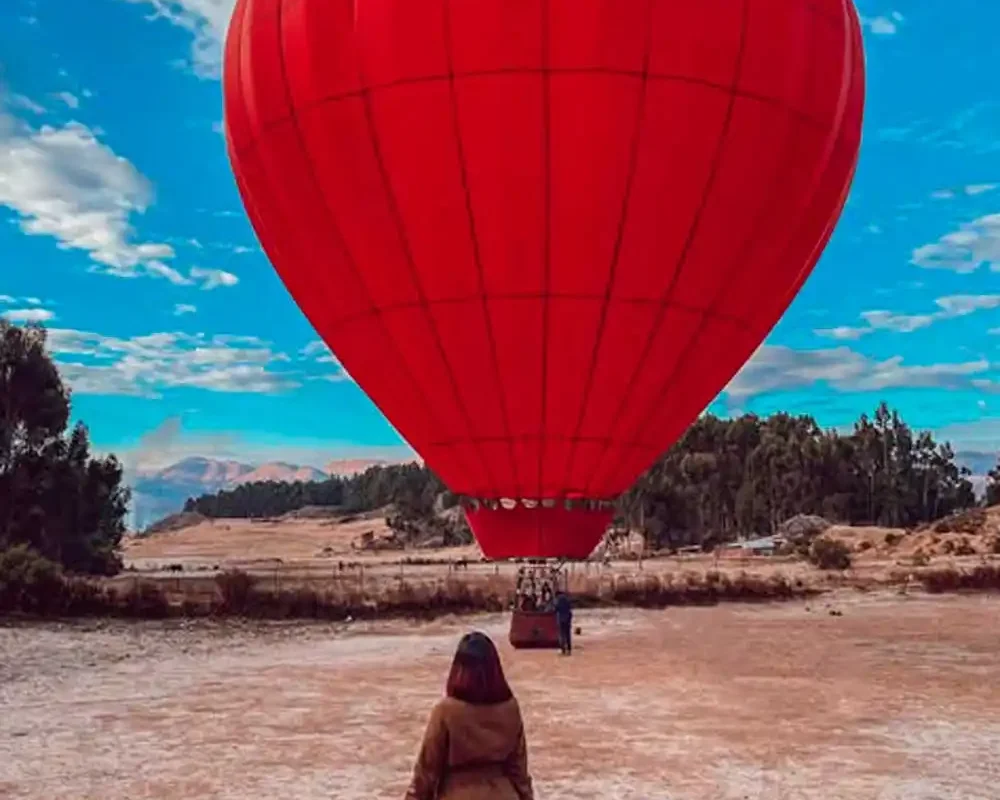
(329, 557)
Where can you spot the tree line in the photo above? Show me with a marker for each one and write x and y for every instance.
(55, 498)
(724, 479)
(411, 488)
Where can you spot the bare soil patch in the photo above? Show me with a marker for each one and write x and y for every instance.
(894, 699)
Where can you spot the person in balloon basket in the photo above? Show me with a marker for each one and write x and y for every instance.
(564, 620)
(474, 745)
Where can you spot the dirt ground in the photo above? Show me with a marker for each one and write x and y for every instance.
(897, 698)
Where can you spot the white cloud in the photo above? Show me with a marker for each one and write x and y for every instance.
(844, 332)
(972, 190)
(205, 20)
(19, 101)
(884, 25)
(777, 368)
(965, 250)
(28, 315)
(69, 99)
(950, 307)
(213, 278)
(318, 353)
(980, 188)
(982, 435)
(184, 308)
(169, 442)
(65, 183)
(6, 298)
(146, 365)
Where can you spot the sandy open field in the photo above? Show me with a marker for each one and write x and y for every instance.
(895, 699)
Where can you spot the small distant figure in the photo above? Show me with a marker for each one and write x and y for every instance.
(474, 747)
(546, 596)
(564, 619)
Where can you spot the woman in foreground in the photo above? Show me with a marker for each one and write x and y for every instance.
(474, 747)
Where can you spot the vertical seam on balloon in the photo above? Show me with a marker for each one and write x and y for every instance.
(328, 212)
(415, 275)
(695, 225)
(546, 10)
(477, 255)
(619, 238)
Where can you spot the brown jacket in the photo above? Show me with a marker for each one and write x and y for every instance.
(472, 752)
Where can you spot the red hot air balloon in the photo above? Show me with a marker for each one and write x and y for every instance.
(542, 235)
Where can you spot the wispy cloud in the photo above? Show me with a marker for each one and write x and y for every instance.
(318, 353)
(884, 25)
(22, 103)
(169, 442)
(972, 190)
(205, 20)
(184, 308)
(950, 307)
(69, 99)
(213, 278)
(147, 365)
(970, 129)
(28, 315)
(974, 244)
(776, 368)
(65, 183)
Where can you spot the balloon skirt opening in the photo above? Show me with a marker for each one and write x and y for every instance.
(538, 532)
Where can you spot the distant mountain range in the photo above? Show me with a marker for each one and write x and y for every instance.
(157, 493)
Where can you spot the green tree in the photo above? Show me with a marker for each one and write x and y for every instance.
(54, 497)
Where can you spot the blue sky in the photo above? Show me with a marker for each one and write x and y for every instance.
(121, 229)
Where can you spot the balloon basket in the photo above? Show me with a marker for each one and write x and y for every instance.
(533, 618)
(534, 629)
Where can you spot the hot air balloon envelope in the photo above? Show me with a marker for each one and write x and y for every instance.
(542, 235)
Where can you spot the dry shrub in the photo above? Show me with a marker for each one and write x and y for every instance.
(235, 588)
(971, 522)
(964, 547)
(920, 558)
(146, 600)
(830, 554)
(892, 538)
(660, 591)
(29, 582)
(995, 546)
(982, 578)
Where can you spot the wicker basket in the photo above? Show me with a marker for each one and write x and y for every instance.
(534, 629)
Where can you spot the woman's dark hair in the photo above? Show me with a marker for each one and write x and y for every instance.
(476, 674)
